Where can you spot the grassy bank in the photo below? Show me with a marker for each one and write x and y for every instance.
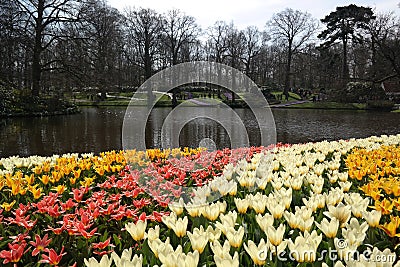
(239, 103)
(329, 105)
(164, 101)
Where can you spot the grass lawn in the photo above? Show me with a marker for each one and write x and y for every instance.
(292, 96)
(124, 100)
(165, 101)
(329, 105)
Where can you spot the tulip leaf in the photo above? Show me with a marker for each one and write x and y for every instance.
(117, 241)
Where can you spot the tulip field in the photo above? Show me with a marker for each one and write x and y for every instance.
(315, 204)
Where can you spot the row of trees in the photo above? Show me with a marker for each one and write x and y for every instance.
(56, 46)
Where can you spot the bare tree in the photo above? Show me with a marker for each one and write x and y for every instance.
(144, 28)
(217, 41)
(385, 43)
(43, 23)
(235, 44)
(102, 35)
(292, 29)
(13, 40)
(253, 41)
(178, 30)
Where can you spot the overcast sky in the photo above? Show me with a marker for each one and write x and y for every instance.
(250, 12)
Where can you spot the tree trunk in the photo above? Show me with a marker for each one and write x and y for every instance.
(373, 57)
(288, 70)
(36, 72)
(175, 58)
(233, 65)
(345, 67)
(247, 65)
(37, 51)
(148, 70)
(147, 58)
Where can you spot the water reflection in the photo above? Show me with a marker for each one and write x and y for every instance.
(99, 129)
(206, 129)
(299, 126)
(92, 130)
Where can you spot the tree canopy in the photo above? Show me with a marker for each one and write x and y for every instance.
(59, 47)
(344, 25)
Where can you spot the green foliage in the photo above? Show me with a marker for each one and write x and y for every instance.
(380, 104)
(344, 25)
(362, 92)
(6, 97)
(21, 102)
(344, 22)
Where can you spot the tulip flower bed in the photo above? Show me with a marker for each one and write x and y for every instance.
(286, 205)
(61, 210)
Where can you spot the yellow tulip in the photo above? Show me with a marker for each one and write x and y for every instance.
(385, 206)
(15, 188)
(87, 181)
(100, 171)
(45, 179)
(59, 189)
(8, 206)
(37, 170)
(72, 181)
(36, 192)
(30, 179)
(77, 173)
(390, 229)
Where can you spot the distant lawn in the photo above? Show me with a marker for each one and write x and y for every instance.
(292, 96)
(329, 105)
(103, 103)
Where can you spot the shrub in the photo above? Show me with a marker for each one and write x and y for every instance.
(380, 105)
(362, 92)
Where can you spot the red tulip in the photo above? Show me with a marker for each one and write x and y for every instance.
(40, 244)
(14, 254)
(103, 245)
(53, 258)
(68, 205)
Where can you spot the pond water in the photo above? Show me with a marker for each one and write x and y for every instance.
(100, 129)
